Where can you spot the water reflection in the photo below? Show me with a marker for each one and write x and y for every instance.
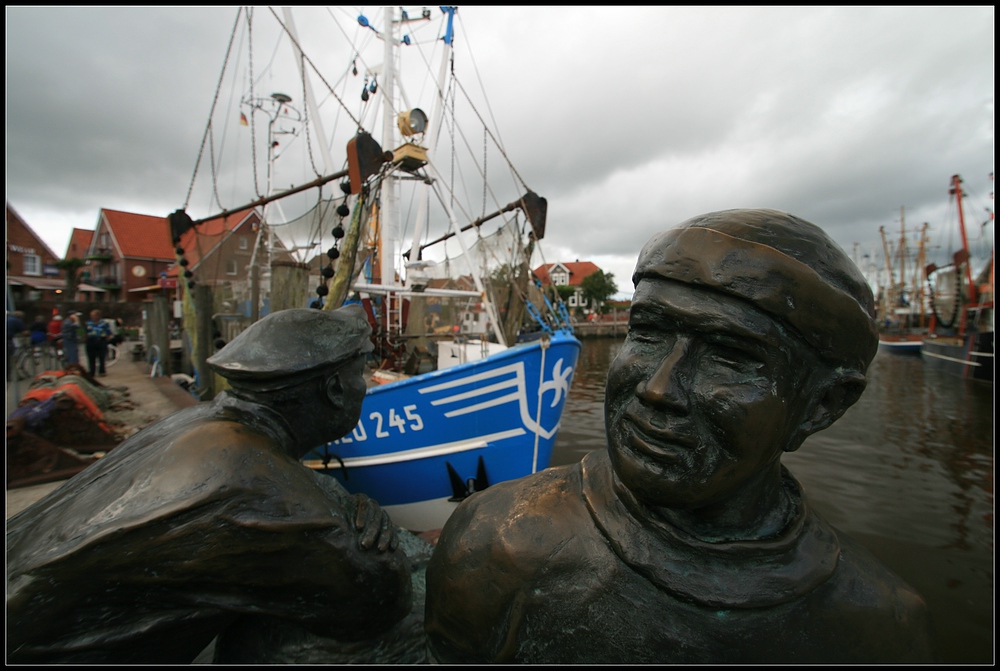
(908, 472)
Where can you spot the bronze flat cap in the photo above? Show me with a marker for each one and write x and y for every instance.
(291, 343)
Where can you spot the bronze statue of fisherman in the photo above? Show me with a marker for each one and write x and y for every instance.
(686, 541)
(207, 516)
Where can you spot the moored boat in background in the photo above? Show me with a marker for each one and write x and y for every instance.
(902, 316)
(965, 344)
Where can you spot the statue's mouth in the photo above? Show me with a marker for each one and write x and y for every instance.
(659, 443)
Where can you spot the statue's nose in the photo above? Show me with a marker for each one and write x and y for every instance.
(670, 382)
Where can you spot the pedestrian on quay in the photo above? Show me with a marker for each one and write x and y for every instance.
(55, 329)
(98, 335)
(39, 331)
(71, 337)
(118, 327)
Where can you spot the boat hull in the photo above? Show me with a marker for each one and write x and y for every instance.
(504, 409)
(969, 357)
(908, 344)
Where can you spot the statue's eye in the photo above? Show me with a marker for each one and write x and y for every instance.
(641, 332)
(734, 357)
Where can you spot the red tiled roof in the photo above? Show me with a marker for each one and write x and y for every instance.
(140, 235)
(577, 271)
(79, 243)
(201, 240)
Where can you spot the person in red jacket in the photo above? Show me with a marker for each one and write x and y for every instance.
(55, 330)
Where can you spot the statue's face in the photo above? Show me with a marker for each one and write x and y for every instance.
(703, 396)
(350, 393)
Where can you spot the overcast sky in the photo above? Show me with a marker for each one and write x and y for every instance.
(629, 120)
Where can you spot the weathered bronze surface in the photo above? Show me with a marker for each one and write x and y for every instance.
(686, 541)
(207, 517)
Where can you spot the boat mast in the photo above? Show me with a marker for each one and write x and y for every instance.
(902, 253)
(956, 188)
(387, 222)
(887, 299)
(430, 137)
(920, 271)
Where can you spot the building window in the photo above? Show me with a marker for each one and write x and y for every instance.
(244, 242)
(572, 300)
(231, 267)
(32, 264)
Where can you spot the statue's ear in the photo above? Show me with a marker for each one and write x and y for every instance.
(841, 389)
(335, 390)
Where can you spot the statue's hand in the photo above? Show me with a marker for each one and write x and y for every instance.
(374, 526)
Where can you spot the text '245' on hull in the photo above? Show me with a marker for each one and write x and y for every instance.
(422, 437)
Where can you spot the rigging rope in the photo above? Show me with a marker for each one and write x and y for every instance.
(215, 99)
(315, 69)
(485, 182)
(495, 140)
(305, 122)
(211, 157)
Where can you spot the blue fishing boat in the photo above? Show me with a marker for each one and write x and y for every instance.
(426, 442)
(474, 360)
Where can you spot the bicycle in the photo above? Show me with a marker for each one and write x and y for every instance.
(31, 360)
(114, 354)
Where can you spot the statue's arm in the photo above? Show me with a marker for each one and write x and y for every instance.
(344, 577)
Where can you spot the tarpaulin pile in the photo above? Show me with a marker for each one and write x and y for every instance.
(60, 423)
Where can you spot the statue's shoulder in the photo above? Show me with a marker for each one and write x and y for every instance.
(498, 550)
(862, 578)
(547, 507)
(220, 445)
(888, 618)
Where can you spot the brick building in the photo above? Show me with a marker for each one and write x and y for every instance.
(219, 250)
(32, 274)
(127, 253)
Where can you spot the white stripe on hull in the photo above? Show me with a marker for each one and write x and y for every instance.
(950, 358)
(418, 453)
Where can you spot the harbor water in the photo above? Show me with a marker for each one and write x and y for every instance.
(907, 472)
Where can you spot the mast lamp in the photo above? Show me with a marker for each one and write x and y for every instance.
(412, 122)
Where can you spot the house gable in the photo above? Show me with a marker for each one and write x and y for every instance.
(79, 243)
(203, 241)
(565, 273)
(219, 250)
(137, 236)
(127, 252)
(27, 254)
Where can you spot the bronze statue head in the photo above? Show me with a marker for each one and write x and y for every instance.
(749, 330)
(306, 365)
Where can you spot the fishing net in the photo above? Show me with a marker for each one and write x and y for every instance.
(301, 236)
(501, 260)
